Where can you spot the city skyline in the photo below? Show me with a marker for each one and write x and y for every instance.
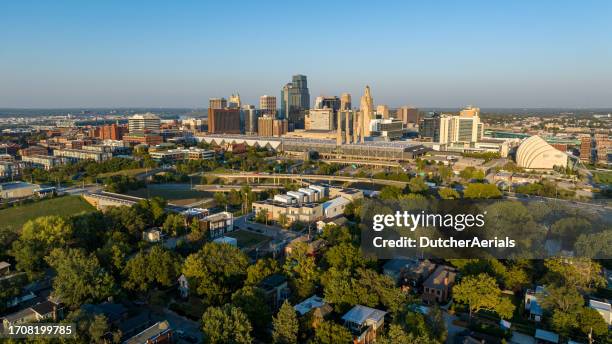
(549, 54)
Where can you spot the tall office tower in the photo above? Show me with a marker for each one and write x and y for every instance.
(223, 121)
(269, 126)
(144, 123)
(345, 101)
(586, 147)
(358, 129)
(339, 129)
(603, 148)
(320, 119)
(295, 100)
(383, 111)
(217, 103)
(366, 108)
(429, 127)
(234, 101)
(250, 119)
(267, 105)
(408, 114)
(344, 126)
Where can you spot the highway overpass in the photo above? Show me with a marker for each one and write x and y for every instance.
(276, 178)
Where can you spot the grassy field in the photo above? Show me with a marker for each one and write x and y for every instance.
(175, 193)
(247, 239)
(15, 217)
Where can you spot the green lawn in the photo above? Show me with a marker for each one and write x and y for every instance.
(15, 217)
(247, 239)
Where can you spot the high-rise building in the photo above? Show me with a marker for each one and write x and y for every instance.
(223, 121)
(366, 108)
(144, 123)
(295, 100)
(345, 101)
(269, 126)
(429, 127)
(217, 103)
(408, 114)
(322, 102)
(267, 105)
(234, 101)
(470, 111)
(603, 147)
(450, 129)
(586, 148)
(250, 119)
(320, 119)
(383, 111)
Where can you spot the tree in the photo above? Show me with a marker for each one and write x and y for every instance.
(252, 301)
(38, 237)
(448, 193)
(144, 270)
(397, 335)
(227, 324)
(581, 273)
(174, 224)
(79, 277)
(477, 190)
(417, 185)
(436, 324)
(329, 332)
(260, 270)
(335, 235)
(482, 293)
(590, 320)
(594, 245)
(285, 325)
(302, 270)
(216, 271)
(390, 193)
(345, 256)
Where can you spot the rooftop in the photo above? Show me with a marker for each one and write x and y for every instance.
(360, 314)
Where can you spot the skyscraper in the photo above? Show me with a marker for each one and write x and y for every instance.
(295, 100)
(250, 119)
(234, 101)
(267, 105)
(367, 112)
(323, 102)
(217, 103)
(345, 101)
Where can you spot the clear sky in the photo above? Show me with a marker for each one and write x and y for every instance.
(425, 53)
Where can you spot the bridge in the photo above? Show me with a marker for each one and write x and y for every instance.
(257, 177)
(228, 188)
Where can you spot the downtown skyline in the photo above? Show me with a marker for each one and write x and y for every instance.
(519, 55)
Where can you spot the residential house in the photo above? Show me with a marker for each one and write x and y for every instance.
(216, 225)
(603, 308)
(338, 221)
(314, 309)
(183, 286)
(408, 271)
(275, 288)
(152, 235)
(115, 313)
(313, 247)
(159, 333)
(5, 268)
(46, 310)
(532, 306)
(437, 288)
(363, 323)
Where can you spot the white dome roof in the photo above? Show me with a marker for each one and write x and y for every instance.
(535, 153)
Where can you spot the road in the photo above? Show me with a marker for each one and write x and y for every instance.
(303, 177)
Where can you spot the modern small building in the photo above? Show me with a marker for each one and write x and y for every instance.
(217, 224)
(363, 323)
(13, 190)
(275, 288)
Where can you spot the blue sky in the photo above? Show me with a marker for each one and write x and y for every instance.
(425, 53)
